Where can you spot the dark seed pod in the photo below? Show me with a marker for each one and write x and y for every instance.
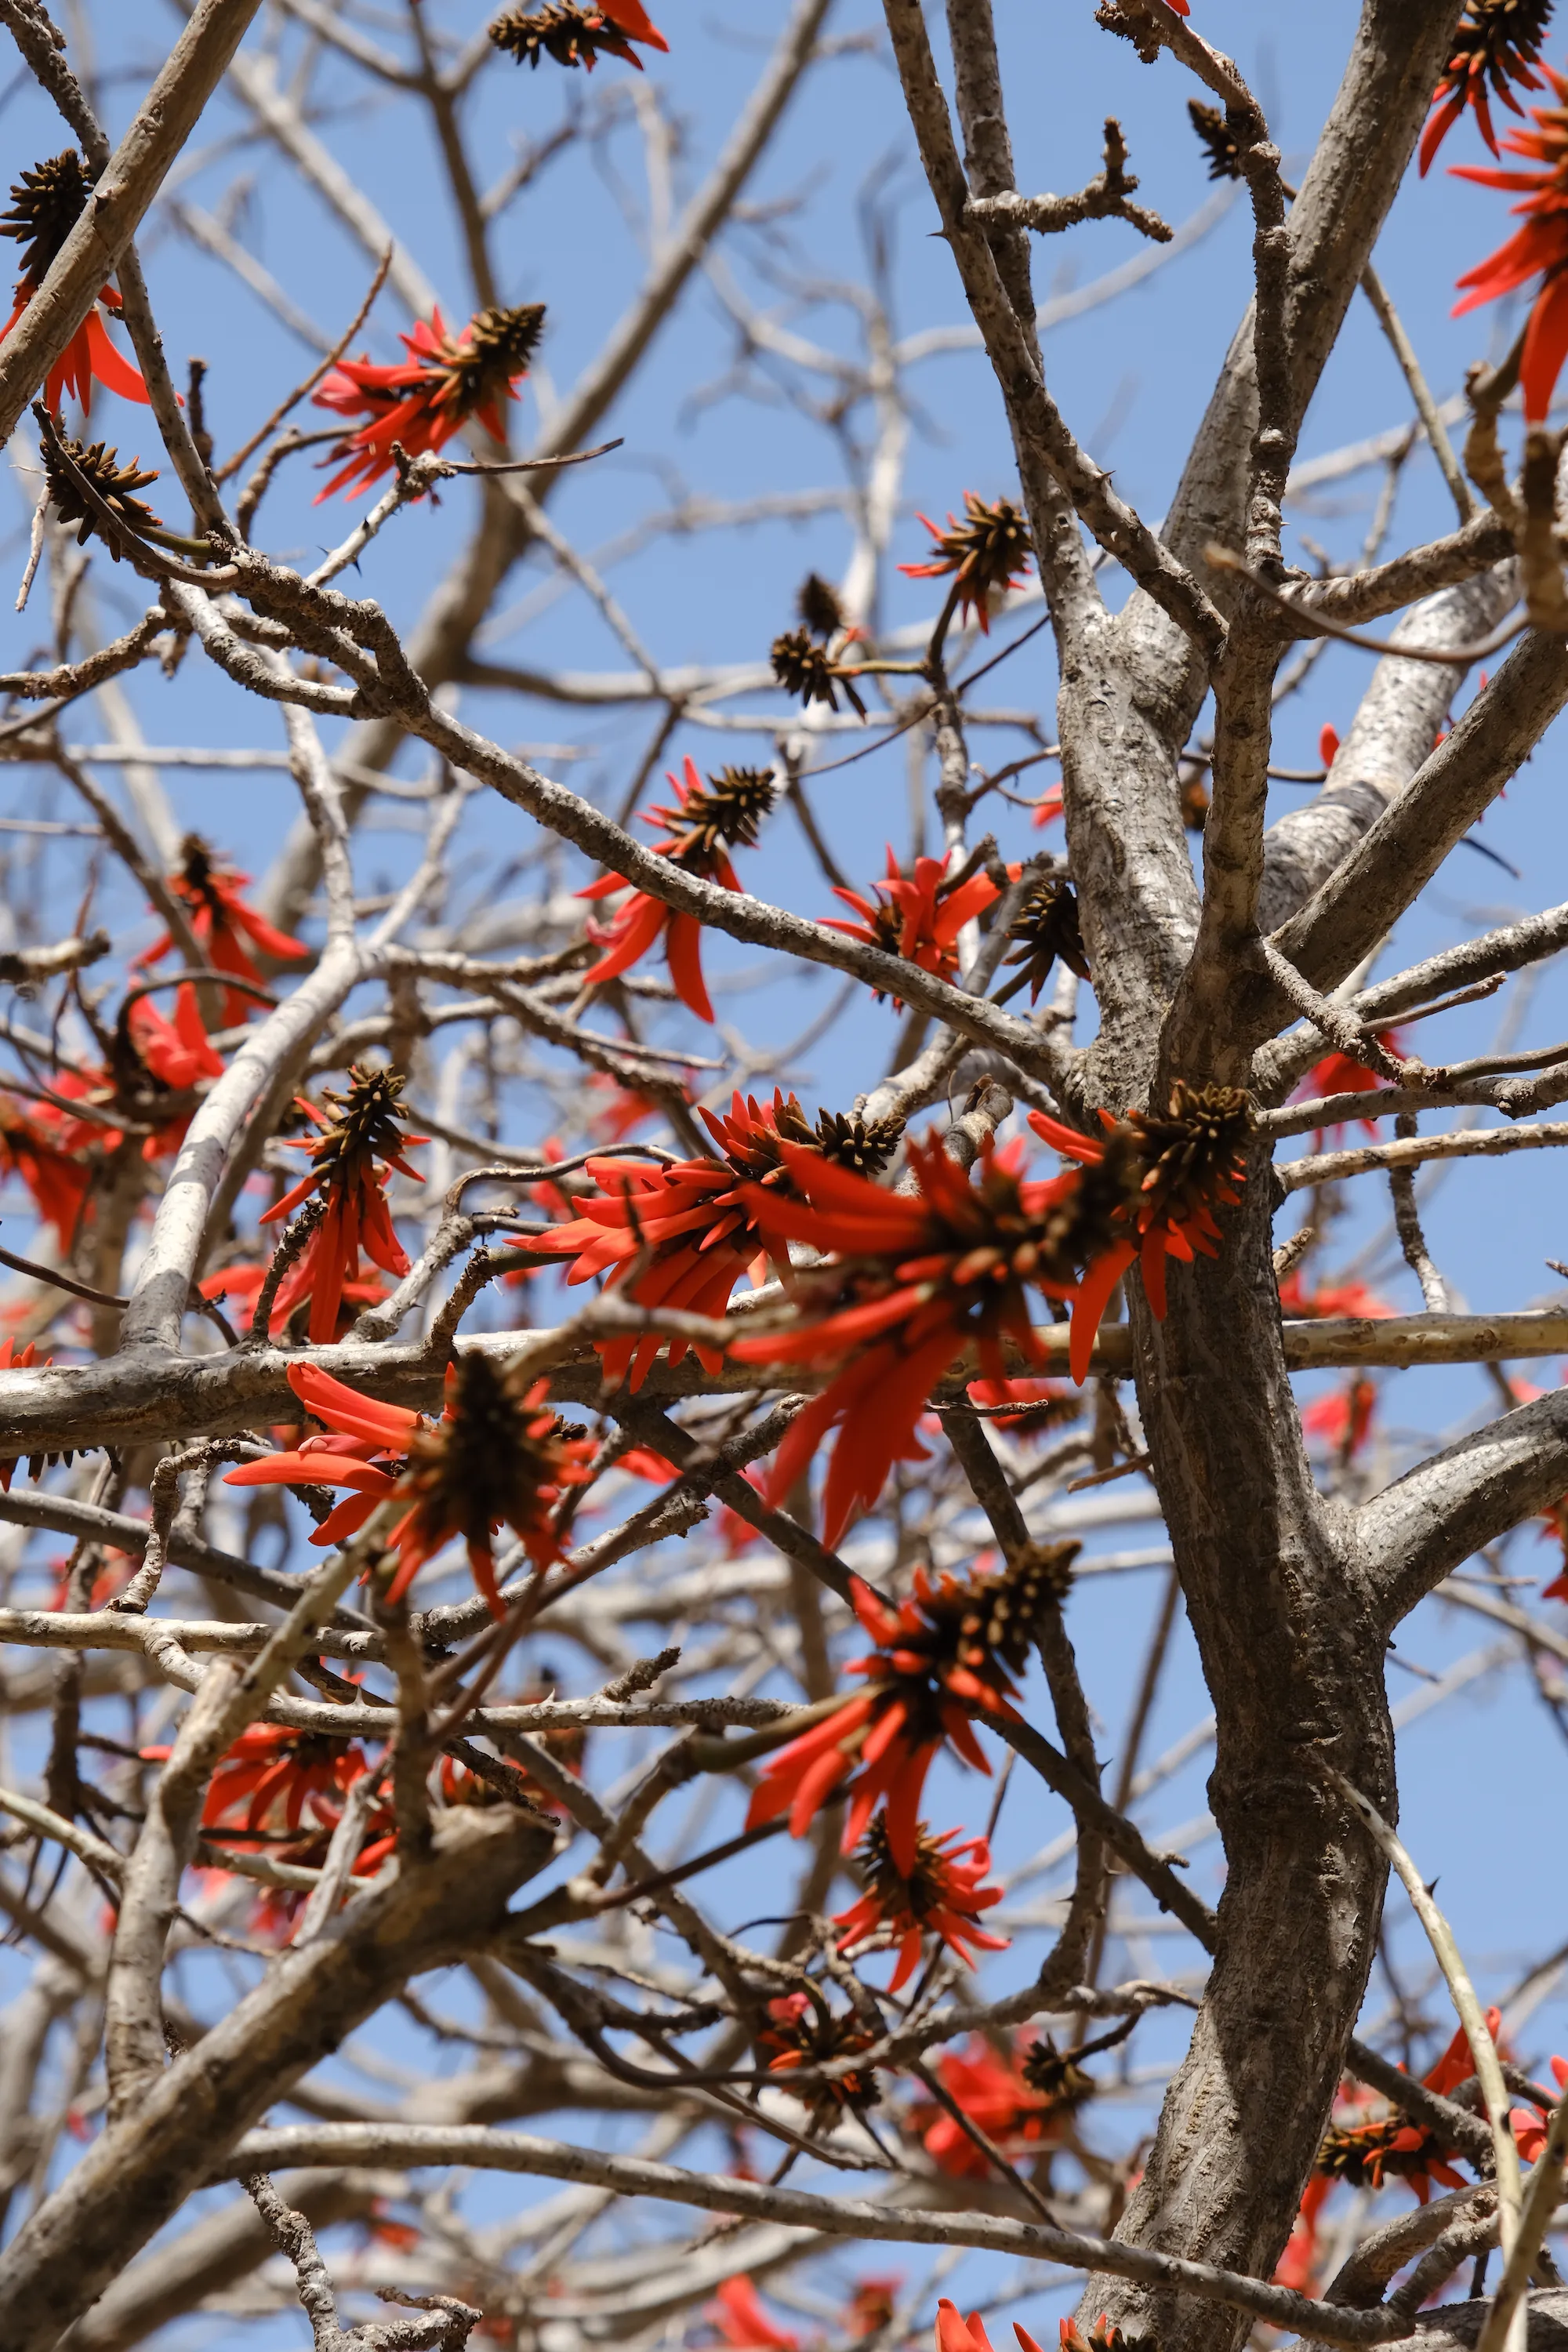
(819, 606)
(867, 1146)
(1056, 2074)
(1046, 927)
(802, 666)
(1197, 1151)
(1217, 140)
(1005, 1607)
(495, 347)
(1496, 41)
(567, 32)
(114, 483)
(728, 813)
(45, 204)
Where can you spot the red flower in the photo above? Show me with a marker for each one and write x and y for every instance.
(1342, 1074)
(345, 1173)
(422, 401)
(1042, 1404)
(1330, 1298)
(1530, 2126)
(957, 2334)
(273, 1773)
(681, 1235)
(946, 1654)
(1342, 1419)
(1195, 1156)
(1540, 246)
(243, 1285)
(45, 204)
(1554, 1522)
(924, 1276)
(737, 2313)
(997, 2093)
(1050, 808)
(566, 1743)
(870, 2307)
(621, 1109)
(176, 1052)
(919, 914)
(223, 923)
(984, 552)
(942, 1896)
(802, 2031)
(58, 1181)
(1365, 2154)
(576, 32)
(11, 1362)
(1298, 2266)
(1496, 41)
(498, 1455)
(707, 823)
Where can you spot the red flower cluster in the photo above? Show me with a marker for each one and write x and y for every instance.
(957, 2334)
(995, 2091)
(1539, 248)
(945, 1656)
(1389, 2147)
(1342, 1419)
(1341, 1074)
(1530, 2126)
(737, 2314)
(32, 1142)
(423, 401)
(1041, 1405)
(1195, 1155)
(987, 554)
(802, 2031)
(1330, 1298)
(1495, 45)
(942, 1896)
(45, 204)
(924, 1274)
(918, 916)
(273, 1773)
(688, 1227)
(224, 924)
(576, 32)
(498, 1455)
(707, 822)
(345, 1172)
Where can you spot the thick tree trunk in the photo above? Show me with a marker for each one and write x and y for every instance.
(1292, 1656)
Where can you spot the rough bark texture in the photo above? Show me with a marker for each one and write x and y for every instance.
(136, 2175)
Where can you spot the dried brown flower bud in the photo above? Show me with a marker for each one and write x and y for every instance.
(114, 483)
(802, 666)
(45, 204)
(819, 606)
(728, 812)
(1056, 2074)
(1045, 928)
(1004, 1607)
(867, 1146)
(474, 370)
(1218, 141)
(1197, 1151)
